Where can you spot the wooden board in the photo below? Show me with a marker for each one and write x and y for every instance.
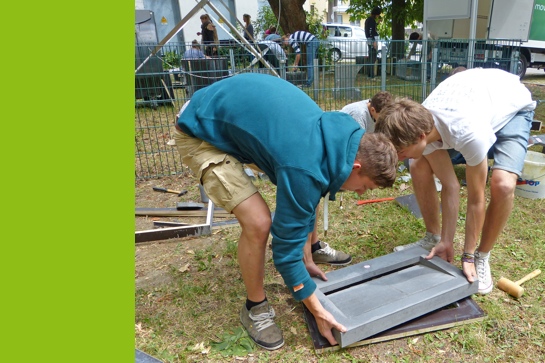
(462, 312)
(376, 295)
(166, 212)
(172, 232)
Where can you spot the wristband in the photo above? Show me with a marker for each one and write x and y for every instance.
(468, 257)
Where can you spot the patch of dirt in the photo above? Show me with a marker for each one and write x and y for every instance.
(155, 260)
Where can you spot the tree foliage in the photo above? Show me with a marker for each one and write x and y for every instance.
(396, 15)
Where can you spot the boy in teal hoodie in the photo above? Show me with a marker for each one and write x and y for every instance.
(305, 152)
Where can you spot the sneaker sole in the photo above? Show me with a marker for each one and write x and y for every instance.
(270, 348)
(485, 291)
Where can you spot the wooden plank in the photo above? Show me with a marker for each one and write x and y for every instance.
(172, 232)
(462, 312)
(376, 295)
(167, 212)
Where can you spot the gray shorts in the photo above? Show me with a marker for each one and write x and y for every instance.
(511, 145)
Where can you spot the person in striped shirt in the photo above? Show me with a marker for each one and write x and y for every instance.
(303, 37)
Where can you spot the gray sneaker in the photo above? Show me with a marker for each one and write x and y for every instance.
(483, 272)
(328, 255)
(428, 242)
(261, 327)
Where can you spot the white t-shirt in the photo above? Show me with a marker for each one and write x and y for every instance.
(360, 112)
(469, 107)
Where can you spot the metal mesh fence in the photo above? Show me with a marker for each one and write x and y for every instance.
(165, 81)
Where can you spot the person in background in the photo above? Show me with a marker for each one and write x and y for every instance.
(271, 30)
(272, 53)
(195, 51)
(371, 34)
(248, 29)
(273, 36)
(209, 36)
(294, 41)
(473, 112)
(216, 133)
(416, 39)
(366, 112)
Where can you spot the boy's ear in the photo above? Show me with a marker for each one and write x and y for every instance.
(356, 165)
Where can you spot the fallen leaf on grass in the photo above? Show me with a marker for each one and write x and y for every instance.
(184, 268)
(198, 346)
(403, 187)
(293, 330)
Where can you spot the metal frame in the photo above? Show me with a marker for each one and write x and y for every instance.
(178, 232)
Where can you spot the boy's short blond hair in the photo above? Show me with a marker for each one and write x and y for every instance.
(403, 121)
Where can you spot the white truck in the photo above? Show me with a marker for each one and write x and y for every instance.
(493, 23)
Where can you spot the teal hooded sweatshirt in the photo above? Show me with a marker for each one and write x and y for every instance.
(305, 152)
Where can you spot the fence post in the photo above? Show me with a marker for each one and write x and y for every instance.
(514, 61)
(316, 71)
(383, 68)
(232, 60)
(433, 78)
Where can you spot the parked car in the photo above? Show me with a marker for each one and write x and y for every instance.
(346, 41)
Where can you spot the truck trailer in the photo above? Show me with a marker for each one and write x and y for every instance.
(500, 29)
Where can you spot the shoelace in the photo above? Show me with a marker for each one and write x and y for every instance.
(327, 250)
(263, 320)
(481, 273)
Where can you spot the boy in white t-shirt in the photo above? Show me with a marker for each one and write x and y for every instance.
(472, 112)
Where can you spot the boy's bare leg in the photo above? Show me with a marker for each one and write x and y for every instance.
(502, 191)
(254, 217)
(426, 195)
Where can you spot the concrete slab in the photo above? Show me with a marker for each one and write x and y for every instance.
(141, 357)
(376, 295)
(409, 202)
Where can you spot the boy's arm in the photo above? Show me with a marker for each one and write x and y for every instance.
(476, 210)
(450, 202)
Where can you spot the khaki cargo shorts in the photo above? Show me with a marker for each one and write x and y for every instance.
(222, 176)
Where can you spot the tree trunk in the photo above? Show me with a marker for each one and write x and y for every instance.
(398, 28)
(290, 14)
(330, 12)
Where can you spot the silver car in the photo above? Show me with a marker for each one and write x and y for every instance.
(346, 41)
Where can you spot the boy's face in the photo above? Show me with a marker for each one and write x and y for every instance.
(358, 183)
(413, 151)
